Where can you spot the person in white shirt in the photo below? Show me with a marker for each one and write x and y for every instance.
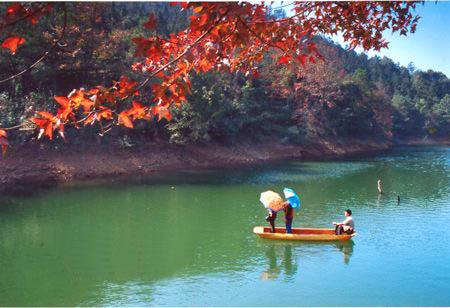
(347, 226)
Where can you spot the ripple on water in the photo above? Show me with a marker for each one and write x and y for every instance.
(299, 172)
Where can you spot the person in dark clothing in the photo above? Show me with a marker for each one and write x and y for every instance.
(288, 216)
(271, 219)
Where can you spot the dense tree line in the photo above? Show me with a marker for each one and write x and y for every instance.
(346, 95)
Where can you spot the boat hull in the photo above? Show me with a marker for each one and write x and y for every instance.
(301, 234)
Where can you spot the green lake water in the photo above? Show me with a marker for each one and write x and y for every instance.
(185, 239)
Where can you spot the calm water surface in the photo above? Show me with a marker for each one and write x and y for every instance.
(186, 238)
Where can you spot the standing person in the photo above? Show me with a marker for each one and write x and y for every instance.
(347, 226)
(271, 219)
(379, 186)
(288, 216)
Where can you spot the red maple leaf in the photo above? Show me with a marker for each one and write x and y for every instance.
(162, 112)
(3, 141)
(125, 120)
(45, 122)
(12, 43)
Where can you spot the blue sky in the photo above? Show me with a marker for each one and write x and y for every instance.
(429, 46)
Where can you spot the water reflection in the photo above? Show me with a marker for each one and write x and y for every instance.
(137, 244)
(347, 249)
(290, 267)
(288, 264)
(273, 269)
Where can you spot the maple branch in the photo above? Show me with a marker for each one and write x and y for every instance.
(174, 60)
(168, 41)
(259, 36)
(27, 69)
(41, 58)
(36, 63)
(82, 119)
(284, 5)
(283, 19)
(231, 32)
(105, 129)
(8, 24)
(14, 127)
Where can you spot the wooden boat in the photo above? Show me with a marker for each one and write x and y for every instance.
(301, 234)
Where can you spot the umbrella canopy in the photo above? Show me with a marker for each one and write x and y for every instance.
(271, 200)
(292, 197)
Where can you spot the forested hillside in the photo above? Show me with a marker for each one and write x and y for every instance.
(346, 95)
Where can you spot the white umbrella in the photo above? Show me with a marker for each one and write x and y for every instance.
(271, 200)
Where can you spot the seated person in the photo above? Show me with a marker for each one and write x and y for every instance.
(347, 226)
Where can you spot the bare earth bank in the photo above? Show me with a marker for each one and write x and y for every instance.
(34, 165)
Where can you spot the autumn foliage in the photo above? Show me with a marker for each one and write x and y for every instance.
(3, 142)
(222, 36)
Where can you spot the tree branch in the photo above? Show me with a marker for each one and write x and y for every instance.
(41, 58)
(201, 37)
(24, 17)
(14, 127)
(259, 36)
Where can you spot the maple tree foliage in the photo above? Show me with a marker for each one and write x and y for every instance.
(221, 36)
(3, 142)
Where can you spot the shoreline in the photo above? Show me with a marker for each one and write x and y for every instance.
(47, 165)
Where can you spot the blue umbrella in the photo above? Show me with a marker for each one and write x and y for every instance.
(292, 197)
